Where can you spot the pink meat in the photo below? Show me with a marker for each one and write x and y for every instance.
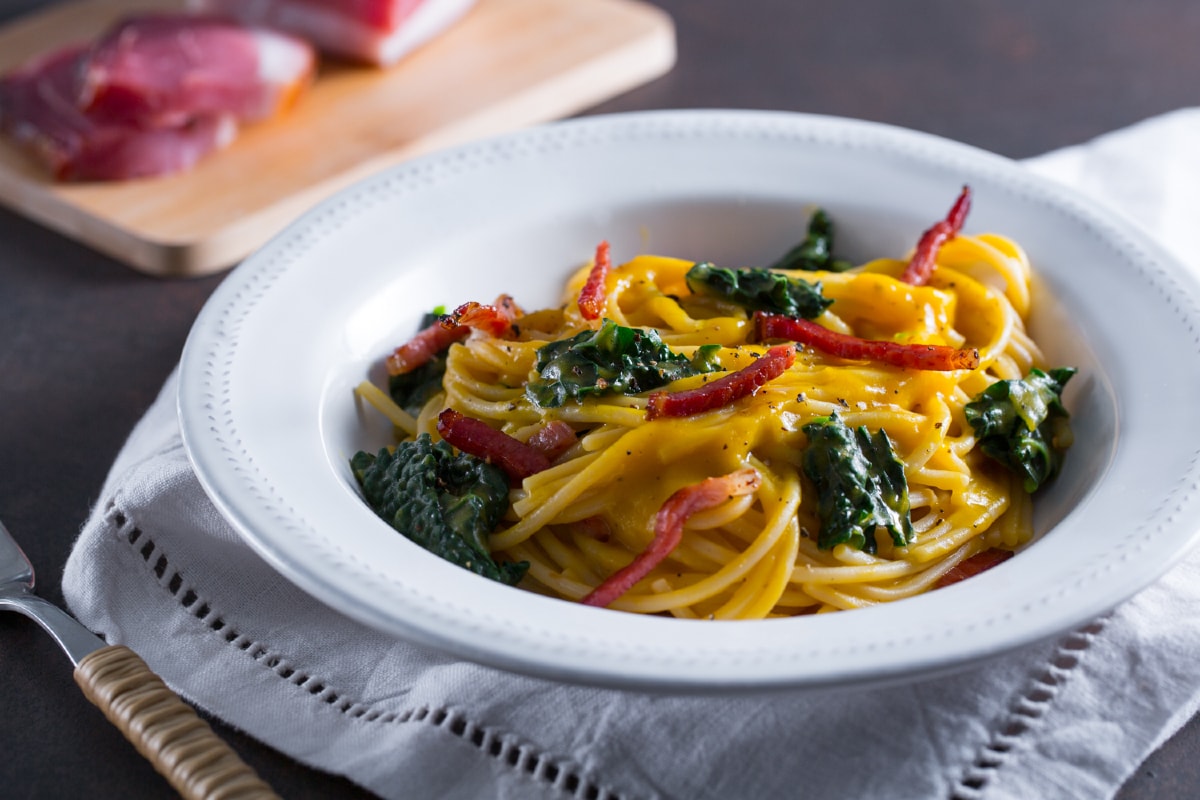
(553, 439)
(474, 436)
(668, 529)
(159, 70)
(375, 31)
(723, 391)
(38, 109)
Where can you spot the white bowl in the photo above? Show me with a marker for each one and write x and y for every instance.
(269, 420)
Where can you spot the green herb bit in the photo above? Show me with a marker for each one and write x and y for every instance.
(1024, 425)
(612, 360)
(706, 358)
(446, 503)
(816, 251)
(860, 485)
(759, 289)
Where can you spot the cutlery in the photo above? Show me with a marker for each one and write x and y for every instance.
(164, 729)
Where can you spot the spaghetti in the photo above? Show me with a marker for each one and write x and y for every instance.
(588, 512)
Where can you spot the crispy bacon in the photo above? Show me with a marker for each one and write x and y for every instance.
(507, 306)
(920, 267)
(595, 294)
(910, 356)
(724, 391)
(424, 346)
(668, 529)
(553, 439)
(970, 567)
(494, 320)
(479, 439)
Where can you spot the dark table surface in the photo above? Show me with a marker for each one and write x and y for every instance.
(86, 343)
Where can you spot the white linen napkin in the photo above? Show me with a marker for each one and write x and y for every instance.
(157, 568)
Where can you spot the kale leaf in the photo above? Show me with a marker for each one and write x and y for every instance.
(412, 390)
(816, 251)
(1023, 424)
(860, 485)
(759, 290)
(612, 360)
(446, 503)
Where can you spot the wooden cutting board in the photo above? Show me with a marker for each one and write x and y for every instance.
(507, 64)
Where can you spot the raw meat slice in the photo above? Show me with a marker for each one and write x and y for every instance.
(38, 109)
(375, 31)
(166, 69)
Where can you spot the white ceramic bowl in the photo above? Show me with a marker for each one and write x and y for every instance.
(269, 419)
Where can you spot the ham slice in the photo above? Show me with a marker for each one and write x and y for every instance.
(157, 70)
(38, 109)
(378, 32)
(152, 96)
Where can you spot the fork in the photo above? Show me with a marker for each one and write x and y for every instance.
(164, 729)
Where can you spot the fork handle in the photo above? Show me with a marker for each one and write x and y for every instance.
(164, 729)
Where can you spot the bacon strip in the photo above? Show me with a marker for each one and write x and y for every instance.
(668, 529)
(910, 356)
(479, 439)
(596, 527)
(920, 267)
(553, 439)
(494, 320)
(969, 568)
(424, 346)
(594, 295)
(722, 392)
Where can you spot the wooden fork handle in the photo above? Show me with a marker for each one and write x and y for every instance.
(164, 729)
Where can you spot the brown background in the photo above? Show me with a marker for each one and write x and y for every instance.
(85, 343)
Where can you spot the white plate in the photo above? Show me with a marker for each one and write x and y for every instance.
(270, 422)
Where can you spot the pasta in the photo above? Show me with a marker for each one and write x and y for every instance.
(756, 552)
